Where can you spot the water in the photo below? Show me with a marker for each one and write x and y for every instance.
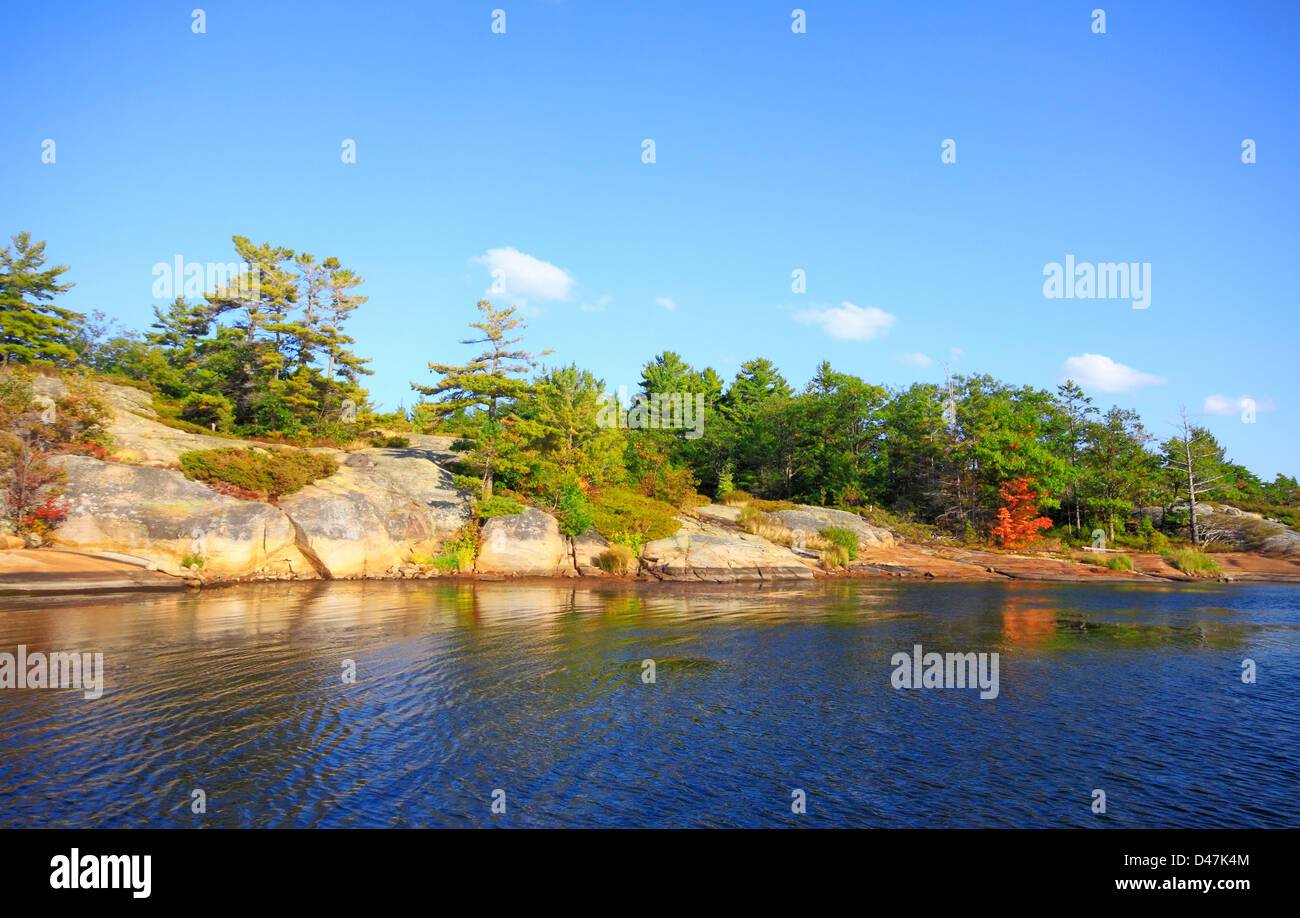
(536, 689)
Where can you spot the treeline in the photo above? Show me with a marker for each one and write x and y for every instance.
(267, 354)
(975, 456)
(962, 456)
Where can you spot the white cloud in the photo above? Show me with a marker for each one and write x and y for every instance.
(1098, 372)
(1227, 405)
(956, 354)
(523, 276)
(598, 306)
(915, 360)
(847, 322)
(666, 303)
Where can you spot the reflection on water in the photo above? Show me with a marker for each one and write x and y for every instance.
(536, 688)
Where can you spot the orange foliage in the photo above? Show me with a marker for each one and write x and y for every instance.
(1018, 524)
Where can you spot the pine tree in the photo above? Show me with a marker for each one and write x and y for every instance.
(32, 328)
(1196, 459)
(489, 383)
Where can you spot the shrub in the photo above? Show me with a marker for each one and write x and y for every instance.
(726, 483)
(1193, 562)
(207, 410)
(458, 553)
(845, 538)
(632, 519)
(615, 560)
(467, 483)
(497, 505)
(272, 473)
(835, 556)
(1114, 562)
(734, 498)
(771, 506)
(192, 561)
(390, 442)
(572, 511)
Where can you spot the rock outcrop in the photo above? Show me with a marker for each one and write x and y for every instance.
(139, 437)
(701, 550)
(160, 516)
(812, 520)
(376, 510)
(367, 519)
(528, 544)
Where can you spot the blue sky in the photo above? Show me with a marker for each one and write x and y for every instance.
(774, 151)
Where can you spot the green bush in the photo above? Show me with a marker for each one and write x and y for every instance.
(615, 560)
(458, 553)
(272, 472)
(572, 511)
(207, 409)
(390, 442)
(835, 557)
(497, 505)
(845, 538)
(633, 519)
(1193, 562)
(1114, 562)
(467, 483)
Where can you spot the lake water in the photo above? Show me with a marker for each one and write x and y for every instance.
(537, 690)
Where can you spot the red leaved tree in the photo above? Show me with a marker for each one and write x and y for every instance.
(1018, 522)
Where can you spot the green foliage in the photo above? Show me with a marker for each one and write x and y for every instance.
(192, 560)
(572, 511)
(1193, 562)
(467, 483)
(1113, 562)
(615, 560)
(272, 472)
(32, 328)
(497, 505)
(457, 554)
(726, 484)
(845, 538)
(836, 557)
(207, 410)
(390, 442)
(632, 519)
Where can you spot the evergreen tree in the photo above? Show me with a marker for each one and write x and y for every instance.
(489, 383)
(32, 328)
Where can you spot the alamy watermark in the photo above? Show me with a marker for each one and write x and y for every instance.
(55, 670)
(194, 278)
(1103, 281)
(653, 411)
(945, 671)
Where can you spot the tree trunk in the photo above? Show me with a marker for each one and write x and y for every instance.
(1191, 486)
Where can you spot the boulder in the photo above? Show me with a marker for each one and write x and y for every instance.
(701, 550)
(378, 508)
(812, 520)
(527, 543)
(159, 516)
(1286, 542)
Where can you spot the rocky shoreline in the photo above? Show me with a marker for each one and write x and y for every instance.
(136, 522)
